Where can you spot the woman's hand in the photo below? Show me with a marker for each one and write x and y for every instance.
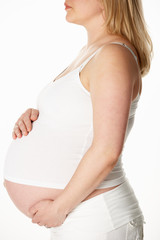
(47, 213)
(24, 124)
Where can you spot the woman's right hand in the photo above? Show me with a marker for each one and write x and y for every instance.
(24, 125)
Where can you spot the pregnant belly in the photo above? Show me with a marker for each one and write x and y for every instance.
(47, 157)
(25, 196)
(39, 166)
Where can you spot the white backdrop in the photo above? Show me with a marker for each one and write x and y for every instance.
(36, 44)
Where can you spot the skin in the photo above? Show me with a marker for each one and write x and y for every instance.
(25, 123)
(95, 77)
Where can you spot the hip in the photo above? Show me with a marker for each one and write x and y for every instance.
(103, 213)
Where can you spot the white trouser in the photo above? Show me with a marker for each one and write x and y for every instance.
(130, 231)
(112, 215)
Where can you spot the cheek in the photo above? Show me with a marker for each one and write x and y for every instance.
(84, 9)
(87, 8)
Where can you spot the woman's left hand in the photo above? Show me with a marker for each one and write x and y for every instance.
(46, 213)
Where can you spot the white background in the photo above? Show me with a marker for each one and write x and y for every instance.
(36, 44)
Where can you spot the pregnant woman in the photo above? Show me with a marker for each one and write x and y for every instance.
(66, 172)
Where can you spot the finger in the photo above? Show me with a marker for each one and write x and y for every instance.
(36, 206)
(33, 210)
(14, 136)
(40, 224)
(34, 114)
(27, 122)
(46, 226)
(35, 219)
(22, 127)
(17, 131)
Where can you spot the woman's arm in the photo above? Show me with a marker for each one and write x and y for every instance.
(92, 169)
(111, 86)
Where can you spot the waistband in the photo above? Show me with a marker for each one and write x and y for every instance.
(120, 204)
(111, 193)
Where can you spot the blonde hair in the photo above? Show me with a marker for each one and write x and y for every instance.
(126, 18)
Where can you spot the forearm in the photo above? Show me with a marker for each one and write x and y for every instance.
(91, 171)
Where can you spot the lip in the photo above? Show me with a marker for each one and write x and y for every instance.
(67, 8)
(66, 5)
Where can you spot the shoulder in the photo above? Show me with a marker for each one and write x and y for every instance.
(113, 61)
(115, 56)
(112, 68)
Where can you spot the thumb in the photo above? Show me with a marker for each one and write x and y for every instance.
(35, 207)
(33, 210)
(33, 115)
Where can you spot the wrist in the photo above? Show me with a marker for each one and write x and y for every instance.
(61, 206)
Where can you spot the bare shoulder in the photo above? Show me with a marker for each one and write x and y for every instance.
(113, 61)
(116, 56)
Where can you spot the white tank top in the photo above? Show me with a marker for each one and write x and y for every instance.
(49, 155)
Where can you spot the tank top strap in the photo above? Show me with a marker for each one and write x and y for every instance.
(123, 44)
(88, 59)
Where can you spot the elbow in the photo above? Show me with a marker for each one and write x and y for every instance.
(112, 160)
(110, 157)
(114, 156)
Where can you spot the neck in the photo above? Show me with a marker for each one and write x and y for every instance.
(96, 32)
